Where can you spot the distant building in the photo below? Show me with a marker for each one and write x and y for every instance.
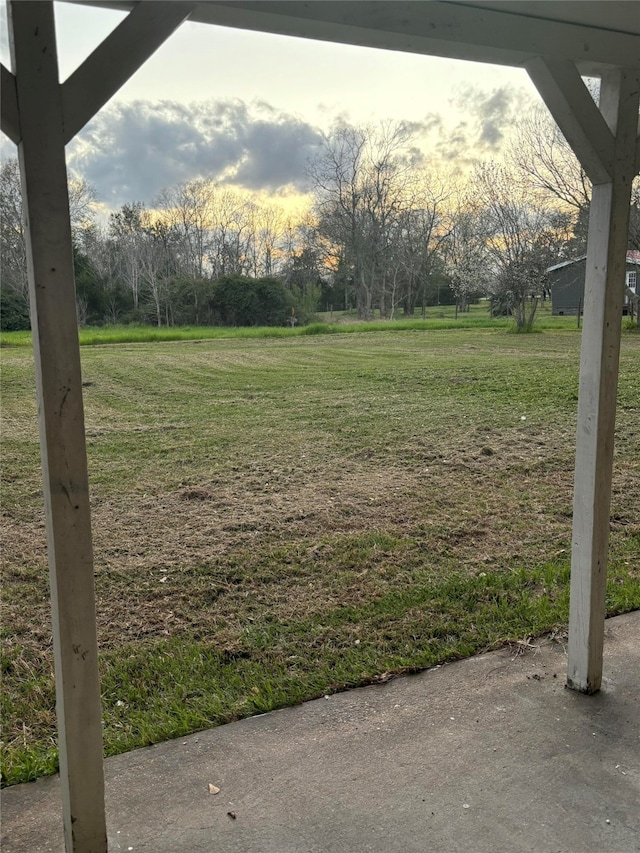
(566, 283)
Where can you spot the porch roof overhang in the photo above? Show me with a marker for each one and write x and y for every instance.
(590, 34)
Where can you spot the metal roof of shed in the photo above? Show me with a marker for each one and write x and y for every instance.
(631, 258)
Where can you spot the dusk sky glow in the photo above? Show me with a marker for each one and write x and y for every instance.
(248, 108)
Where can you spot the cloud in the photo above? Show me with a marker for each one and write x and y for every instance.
(277, 155)
(494, 113)
(482, 123)
(131, 151)
(430, 123)
(454, 144)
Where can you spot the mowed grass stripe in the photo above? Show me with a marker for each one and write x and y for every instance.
(275, 519)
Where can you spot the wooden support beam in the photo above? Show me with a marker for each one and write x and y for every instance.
(119, 56)
(61, 421)
(10, 123)
(576, 114)
(604, 294)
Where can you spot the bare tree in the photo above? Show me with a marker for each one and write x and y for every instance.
(266, 229)
(424, 228)
(82, 203)
(188, 211)
(336, 174)
(362, 181)
(523, 237)
(545, 165)
(467, 257)
(389, 186)
(126, 229)
(232, 234)
(545, 161)
(13, 253)
(13, 256)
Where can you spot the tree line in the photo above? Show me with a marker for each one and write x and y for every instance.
(384, 236)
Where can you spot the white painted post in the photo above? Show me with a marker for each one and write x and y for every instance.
(61, 421)
(604, 293)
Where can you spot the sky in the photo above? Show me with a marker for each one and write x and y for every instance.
(249, 109)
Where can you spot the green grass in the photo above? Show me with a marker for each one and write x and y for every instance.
(276, 518)
(94, 336)
(345, 323)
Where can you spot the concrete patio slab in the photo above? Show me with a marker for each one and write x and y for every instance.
(487, 755)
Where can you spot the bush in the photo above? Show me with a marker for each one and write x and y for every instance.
(240, 301)
(14, 311)
(189, 301)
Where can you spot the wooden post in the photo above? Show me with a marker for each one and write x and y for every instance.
(61, 422)
(604, 293)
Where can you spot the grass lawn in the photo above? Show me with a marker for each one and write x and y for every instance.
(338, 322)
(276, 518)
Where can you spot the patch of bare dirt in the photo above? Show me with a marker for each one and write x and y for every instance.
(189, 559)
